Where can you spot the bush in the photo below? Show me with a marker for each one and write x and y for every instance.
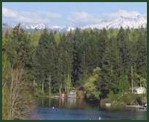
(115, 105)
(118, 106)
(128, 99)
(80, 94)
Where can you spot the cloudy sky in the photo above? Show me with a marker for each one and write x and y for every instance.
(69, 13)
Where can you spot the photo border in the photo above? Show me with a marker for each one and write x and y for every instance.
(74, 1)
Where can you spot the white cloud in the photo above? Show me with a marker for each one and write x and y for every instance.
(80, 18)
(29, 16)
(125, 13)
(8, 13)
(83, 17)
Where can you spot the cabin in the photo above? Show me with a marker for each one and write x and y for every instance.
(139, 90)
(72, 94)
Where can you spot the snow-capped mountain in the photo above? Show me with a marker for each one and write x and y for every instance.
(125, 22)
(131, 22)
(34, 26)
(42, 26)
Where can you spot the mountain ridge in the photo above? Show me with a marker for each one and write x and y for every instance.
(125, 22)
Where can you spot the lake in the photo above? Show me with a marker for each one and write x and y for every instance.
(72, 109)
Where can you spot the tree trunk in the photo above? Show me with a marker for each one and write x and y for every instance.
(49, 86)
(132, 79)
(42, 88)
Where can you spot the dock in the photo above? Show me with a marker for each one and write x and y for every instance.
(136, 107)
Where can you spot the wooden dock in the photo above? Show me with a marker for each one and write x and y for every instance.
(136, 107)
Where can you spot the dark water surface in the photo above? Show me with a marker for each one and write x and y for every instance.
(71, 109)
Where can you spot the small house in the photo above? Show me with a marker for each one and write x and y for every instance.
(72, 94)
(139, 90)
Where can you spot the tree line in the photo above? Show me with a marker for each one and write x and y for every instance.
(62, 61)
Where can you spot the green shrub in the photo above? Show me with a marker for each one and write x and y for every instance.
(118, 106)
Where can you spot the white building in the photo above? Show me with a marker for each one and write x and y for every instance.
(139, 90)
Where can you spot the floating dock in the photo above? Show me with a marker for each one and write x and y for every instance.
(136, 107)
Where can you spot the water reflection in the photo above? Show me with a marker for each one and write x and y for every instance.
(78, 109)
(64, 103)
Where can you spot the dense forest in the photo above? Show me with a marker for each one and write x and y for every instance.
(105, 63)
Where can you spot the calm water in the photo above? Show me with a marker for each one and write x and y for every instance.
(60, 109)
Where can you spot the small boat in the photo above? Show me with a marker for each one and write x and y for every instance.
(145, 105)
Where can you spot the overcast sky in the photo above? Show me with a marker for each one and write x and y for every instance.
(69, 13)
